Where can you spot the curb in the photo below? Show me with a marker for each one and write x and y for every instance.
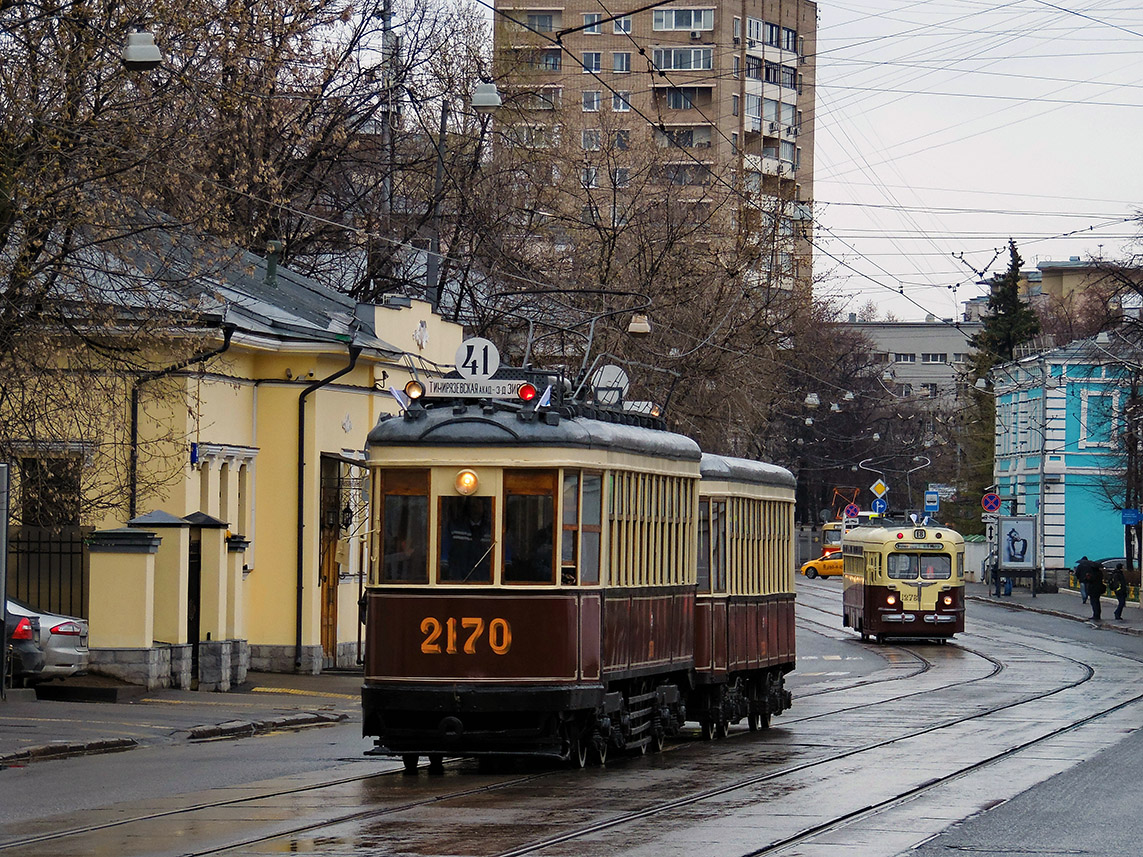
(245, 728)
(67, 749)
(229, 729)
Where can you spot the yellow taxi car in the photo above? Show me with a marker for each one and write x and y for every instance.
(823, 566)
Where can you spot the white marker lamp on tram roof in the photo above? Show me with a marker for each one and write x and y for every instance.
(466, 482)
(414, 389)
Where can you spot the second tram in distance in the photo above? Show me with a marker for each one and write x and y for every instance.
(566, 583)
(904, 580)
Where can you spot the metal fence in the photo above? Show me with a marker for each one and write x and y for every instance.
(48, 568)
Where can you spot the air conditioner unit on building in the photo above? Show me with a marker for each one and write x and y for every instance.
(793, 131)
(695, 34)
(737, 40)
(774, 126)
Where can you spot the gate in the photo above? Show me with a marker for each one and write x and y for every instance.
(48, 568)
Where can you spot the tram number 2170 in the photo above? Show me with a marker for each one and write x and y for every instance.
(467, 632)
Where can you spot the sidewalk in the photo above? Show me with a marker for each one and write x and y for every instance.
(90, 714)
(1066, 603)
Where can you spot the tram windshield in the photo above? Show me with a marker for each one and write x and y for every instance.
(466, 540)
(911, 566)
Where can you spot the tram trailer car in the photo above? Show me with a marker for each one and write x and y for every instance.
(534, 583)
(905, 580)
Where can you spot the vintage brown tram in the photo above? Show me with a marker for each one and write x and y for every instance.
(568, 583)
(903, 580)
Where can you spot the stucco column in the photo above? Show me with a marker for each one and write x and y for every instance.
(171, 574)
(121, 607)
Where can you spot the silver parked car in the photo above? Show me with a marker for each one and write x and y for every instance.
(63, 640)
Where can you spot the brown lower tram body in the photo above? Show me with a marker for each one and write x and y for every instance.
(905, 610)
(568, 674)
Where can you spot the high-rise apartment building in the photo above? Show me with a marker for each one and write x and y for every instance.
(722, 94)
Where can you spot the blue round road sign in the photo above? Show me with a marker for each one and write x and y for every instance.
(880, 506)
(852, 510)
(990, 502)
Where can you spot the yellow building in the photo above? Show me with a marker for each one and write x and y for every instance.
(230, 564)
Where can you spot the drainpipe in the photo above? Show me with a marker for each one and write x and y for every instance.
(354, 351)
(133, 465)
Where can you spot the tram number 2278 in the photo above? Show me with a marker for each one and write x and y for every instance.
(467, 632)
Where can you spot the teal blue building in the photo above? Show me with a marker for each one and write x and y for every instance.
(1059, 456)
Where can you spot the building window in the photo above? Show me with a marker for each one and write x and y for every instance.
(753, 67)
(682, 97)
(734, 142)
(621, 62)
(622, 140)
(682, 59)
(754, 31)
(540, 23)
(789, 39)
(737, 28)
(735, 70)
(931, 390)
(589, 178)
(621, 177)
(590, 138)
(904, 358)
(958, 357)
(788, 77)
(684, 19)
(621, 101)
(934, 358)
(591, 23)
(592, 62)
(591, 99)
(734, 105)
(773, 35)
(621, 25)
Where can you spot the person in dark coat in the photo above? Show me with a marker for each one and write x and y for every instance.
(1083, 568)
(1095, 589)
(1119, 587)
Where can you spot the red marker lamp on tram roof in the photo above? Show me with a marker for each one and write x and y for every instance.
(527, 392)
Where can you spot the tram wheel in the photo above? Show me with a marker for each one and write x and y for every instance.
(721, 729)
(707, 730)
(881, 639)
(436, 763)
(579, 750)
(410, 762)
(599, 752)
(658, 739)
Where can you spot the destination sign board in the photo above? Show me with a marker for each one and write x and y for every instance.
(471, 388)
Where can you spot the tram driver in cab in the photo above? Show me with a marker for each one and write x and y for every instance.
(466, 540)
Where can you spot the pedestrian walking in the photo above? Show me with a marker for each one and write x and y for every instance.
(1083, 568)
(1119, 587)
(1095, 589)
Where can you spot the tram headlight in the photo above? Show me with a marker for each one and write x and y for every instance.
(466, 482)
(947, 600)
(414, 389)
(890, 599)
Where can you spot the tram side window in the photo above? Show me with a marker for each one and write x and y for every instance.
(591, 528)
(466, 540)
(704, 546)
(405, 527)
(718, 545)
(569, 542)
(529, 519)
